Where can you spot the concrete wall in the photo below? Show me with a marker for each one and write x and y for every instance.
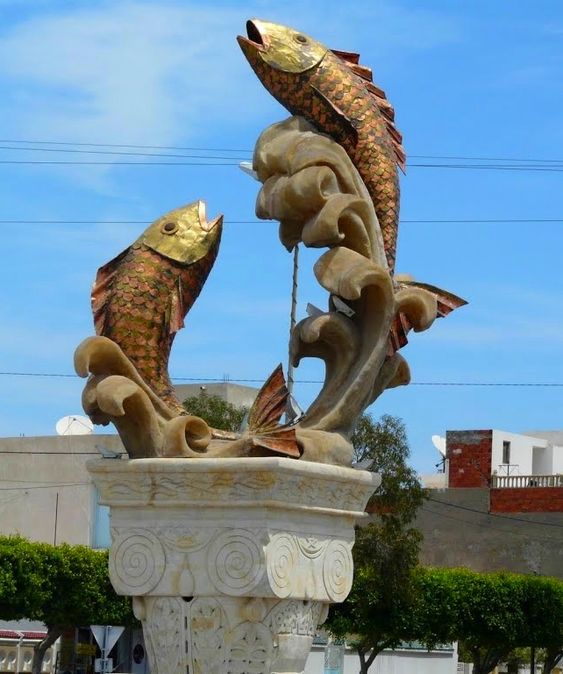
(391, 662)
(459, 531)
(45, 491)
(237, 395)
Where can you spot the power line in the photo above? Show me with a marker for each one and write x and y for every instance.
(51, 162)
(481, 383)
(533, 166)
(483, 167)
(464, 158)
(222, 380)
(249, 151)
(488, 526)
(260, 222)
(139, 147)
(113, 152)
(489, 514)
(50, 486)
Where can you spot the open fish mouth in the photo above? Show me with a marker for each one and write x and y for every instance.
(253, 36)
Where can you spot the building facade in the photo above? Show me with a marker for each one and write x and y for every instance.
(523, 472)
(498, 505)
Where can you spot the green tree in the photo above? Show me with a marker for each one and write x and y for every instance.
(493, 615)
(217, 412)
(376, 614)
(63, 586)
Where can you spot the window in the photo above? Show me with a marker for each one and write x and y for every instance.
(100, 526)
(506, 451)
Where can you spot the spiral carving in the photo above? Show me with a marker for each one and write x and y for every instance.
(236, 562)
(284, 557)
(136, 563)
(338, 569)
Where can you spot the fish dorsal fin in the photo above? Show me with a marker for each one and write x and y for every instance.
(388, 113)
(341, 123)
(348, 56)
(352, 60)
(362, 71)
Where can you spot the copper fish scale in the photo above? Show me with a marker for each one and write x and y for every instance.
(148, 292)
(373, 154)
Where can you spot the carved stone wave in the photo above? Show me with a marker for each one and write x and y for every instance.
(311, 186)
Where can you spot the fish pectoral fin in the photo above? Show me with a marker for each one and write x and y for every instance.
(102, 290)
(339, 119)
(175, 311)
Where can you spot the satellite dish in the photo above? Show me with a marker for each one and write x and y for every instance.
(74, 424)
(440, 443)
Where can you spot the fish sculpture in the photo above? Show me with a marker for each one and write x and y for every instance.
(140, 298)
(335, 93)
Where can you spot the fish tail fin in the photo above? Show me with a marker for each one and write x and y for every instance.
(446, 302)
(264, 416)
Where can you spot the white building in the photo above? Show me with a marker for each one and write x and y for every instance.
(536, 453)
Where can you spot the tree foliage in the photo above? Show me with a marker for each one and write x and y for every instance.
(62, 586)
(375, 615)
(490, 614)
(382, 447)
(217, 412)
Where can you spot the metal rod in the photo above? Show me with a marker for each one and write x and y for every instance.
(292, 319)
(56, 518)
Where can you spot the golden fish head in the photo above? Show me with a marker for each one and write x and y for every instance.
(280, 47)
(184, 234)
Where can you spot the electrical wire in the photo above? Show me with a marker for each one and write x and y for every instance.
(222, 380)
(489, 514)
(260, 222)
(489, 526)
(249, 152)
(53, 162)
(117, 153)
(50, 486)
(140, 147)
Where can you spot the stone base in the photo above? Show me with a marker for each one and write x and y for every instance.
(232, 563)
(221, 635)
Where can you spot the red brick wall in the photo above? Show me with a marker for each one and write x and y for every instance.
(469, 454)
(527, 500)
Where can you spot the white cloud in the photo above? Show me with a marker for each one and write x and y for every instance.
(122, 72)
(148, 72)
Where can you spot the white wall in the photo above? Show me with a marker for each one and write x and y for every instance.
(521, 453)
(557, 459)
(391, 662)
(46, 492)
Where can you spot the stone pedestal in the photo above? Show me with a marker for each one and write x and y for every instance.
(231, 563)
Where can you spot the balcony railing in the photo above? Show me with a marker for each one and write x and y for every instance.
(517, 481)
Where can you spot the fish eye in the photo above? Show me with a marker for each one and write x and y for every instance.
(300, 38)
(169, 228)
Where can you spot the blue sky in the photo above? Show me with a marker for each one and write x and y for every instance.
(470, 79)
